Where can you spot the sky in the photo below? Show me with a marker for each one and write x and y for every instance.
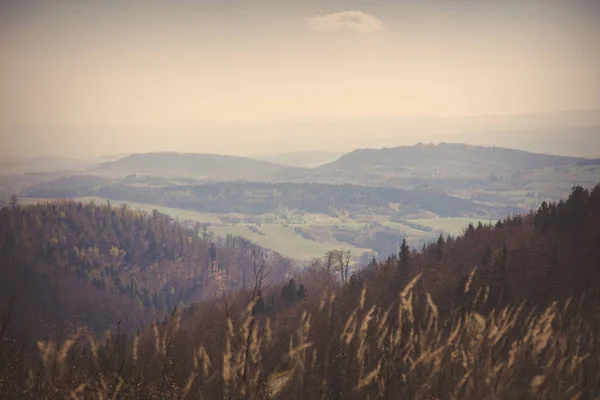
(92, 77)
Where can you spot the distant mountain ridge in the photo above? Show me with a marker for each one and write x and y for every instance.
(478, 159)
(198, 165)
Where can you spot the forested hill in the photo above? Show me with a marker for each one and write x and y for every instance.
(190, 165)
(255, 198)
(70, 262)
(449, 158)
(505, 311)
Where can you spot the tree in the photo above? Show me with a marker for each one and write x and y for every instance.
(291, 293)
(343, 259)
(500, 282)
(440, 246)
(373, 262)
(470, 231)
(114, 253)
(329, 260)
(405, 254)
(552, 282)
(487, 256)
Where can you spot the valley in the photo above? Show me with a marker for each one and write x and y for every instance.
(365, 202)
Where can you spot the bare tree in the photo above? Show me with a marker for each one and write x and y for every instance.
(205, 232)
(329, 260)
(347, 257)
(261, 272)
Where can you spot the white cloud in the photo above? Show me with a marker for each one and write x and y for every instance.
(355, 21)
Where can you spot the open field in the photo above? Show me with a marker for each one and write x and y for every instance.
(453, 226)
(285, 240)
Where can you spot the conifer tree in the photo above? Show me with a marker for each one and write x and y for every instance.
(404, 254)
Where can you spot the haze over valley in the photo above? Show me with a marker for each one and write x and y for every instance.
(366, 201)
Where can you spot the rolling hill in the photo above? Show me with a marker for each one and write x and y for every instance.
(447, 159)
(189, 165)
(510, 177)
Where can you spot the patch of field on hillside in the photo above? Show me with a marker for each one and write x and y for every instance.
(176, 213)
(285, 240)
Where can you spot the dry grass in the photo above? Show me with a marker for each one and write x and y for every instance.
(341, 346)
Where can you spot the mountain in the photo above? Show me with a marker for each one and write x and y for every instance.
(447, 159)
(505, 311)
(575, 141)
(189, 165)
(457, 169)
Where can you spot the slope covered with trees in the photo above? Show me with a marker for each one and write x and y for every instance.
(70, 262)
(505, 311)
(258, 198)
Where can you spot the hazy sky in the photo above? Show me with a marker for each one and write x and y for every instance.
(185, 66)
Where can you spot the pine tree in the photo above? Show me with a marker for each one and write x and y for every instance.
(552, 282)
(469, 232)
(292, 293)
(372, 262)
(404, 254)
(487, 256)
(501, 272)
(440, 246)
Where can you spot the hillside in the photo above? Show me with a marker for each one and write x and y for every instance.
(69, 262)
(496, 176)
(301, 221)
(65, 186)
(365, 202)
(505, 311)
(189, 165)
(573, 141)
(255, 198)
(447, 159)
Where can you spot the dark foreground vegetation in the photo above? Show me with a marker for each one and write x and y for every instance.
(510, 311)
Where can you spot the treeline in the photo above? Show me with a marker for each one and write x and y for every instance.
(504, 311)
(95, 264)
(258, 198)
